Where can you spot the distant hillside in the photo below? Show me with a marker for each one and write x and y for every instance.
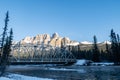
(101, 46)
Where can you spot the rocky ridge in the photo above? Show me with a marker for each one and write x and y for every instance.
(45, 39)
(55, 40)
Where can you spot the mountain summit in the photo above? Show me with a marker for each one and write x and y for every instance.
(53, 40)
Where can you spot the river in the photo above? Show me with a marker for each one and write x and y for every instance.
(68, 72)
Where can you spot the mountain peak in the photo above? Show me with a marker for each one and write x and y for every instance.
(55, 40)
(55, 35)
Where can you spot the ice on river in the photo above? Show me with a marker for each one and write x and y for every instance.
(21, 77)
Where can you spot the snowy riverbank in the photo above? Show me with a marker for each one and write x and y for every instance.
(21, 77)
(84, 62)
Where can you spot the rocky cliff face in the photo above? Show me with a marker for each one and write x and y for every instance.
(54, 40)
(38, 39)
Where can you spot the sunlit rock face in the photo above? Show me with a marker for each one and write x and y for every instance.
(41, 39)
(26, 40)
(45, 39)
(55, 40)
(55, 35)
(65, 41)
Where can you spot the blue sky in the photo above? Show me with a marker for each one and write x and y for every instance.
(77, 19)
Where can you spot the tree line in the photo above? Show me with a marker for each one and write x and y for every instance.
(5, 45)
(110, 54)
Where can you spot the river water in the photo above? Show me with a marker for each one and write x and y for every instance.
(68, 72)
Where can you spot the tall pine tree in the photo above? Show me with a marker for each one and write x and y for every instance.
(115, 47)
(95, 51)
(6, 42)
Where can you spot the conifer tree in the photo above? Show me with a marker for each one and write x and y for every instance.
(6, 42)
(5, 28)
(107, 52)
(95, 51)
(115, 47)
(107, 48)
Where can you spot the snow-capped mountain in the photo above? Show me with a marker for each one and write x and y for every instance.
(73, 44)
(108, 42)
(54, 40)
(86, 42)
(45, 39)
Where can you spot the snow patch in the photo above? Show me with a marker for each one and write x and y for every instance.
(83, 62)
(65, 69)
(21, 77)
(86, 42)
(108, 42)
(80, 62)
(4, 78)
(103, 64)
(73, 44)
